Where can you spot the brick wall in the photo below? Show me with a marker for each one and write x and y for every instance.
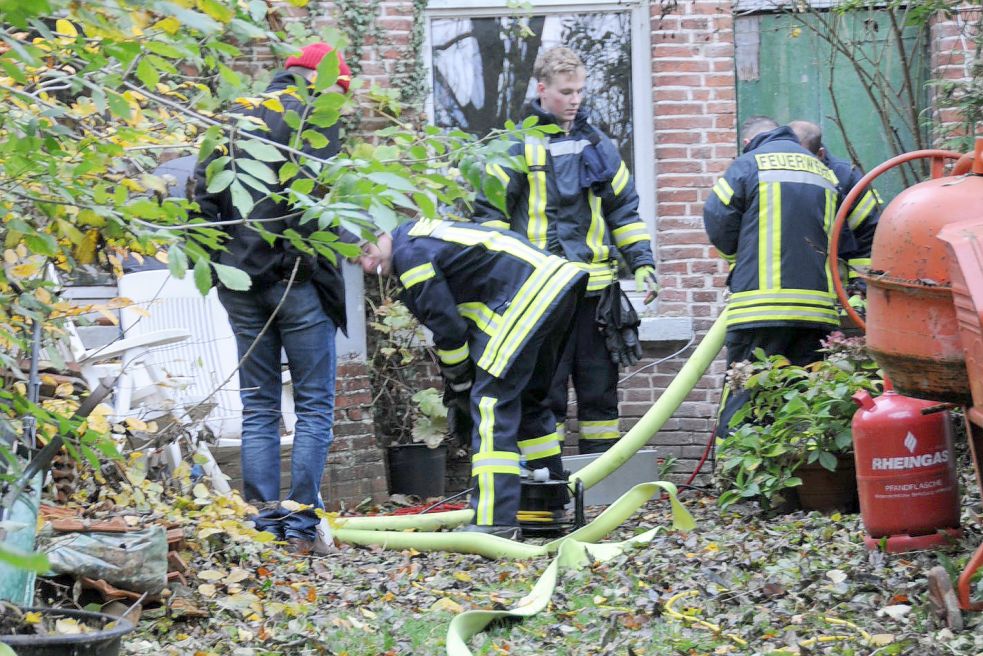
(356, 466)
(952, 58)
(693, 122)
(695, 109)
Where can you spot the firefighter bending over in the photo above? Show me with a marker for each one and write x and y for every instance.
(500, 312)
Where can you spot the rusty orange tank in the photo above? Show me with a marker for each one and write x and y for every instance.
(911, 320)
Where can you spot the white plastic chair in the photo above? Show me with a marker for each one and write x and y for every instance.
(127, 366)
(204, 361)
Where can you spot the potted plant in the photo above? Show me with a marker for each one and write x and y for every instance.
(409, 413)
(796, 428)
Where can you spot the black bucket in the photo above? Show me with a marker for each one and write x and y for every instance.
(102, 642)
(417, 469)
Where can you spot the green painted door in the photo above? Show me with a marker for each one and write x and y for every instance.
(787, 71)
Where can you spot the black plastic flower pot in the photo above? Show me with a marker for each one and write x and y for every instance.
(417, 469)
(100, 642)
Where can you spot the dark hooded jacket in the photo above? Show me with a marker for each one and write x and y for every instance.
(482, 292)
(578, 200)
(246, 248)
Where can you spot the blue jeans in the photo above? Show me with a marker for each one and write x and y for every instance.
(307, 334)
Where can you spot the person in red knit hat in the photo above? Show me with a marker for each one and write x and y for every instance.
(296, 302)
(312, 55)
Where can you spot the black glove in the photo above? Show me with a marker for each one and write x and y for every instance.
(459, 422)
(458, 377)
(619, 322)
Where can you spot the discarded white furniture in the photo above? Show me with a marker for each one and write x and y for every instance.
(203, 368)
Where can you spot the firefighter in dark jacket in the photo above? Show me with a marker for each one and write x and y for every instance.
(295, 302)
(770, 217)
(866, 210)
(500, 311)
(578, 201)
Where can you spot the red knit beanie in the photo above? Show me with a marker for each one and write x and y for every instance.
(312, 55)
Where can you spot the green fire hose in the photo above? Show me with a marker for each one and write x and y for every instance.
(491, 546)
(571, 554)
(354, 528)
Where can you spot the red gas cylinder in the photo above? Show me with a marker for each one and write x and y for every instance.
(906, 472)
(912, 330)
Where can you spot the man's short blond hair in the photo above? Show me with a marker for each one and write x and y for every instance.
(555, 62)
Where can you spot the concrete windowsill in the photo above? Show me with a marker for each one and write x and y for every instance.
(655, 328)
(665, 329)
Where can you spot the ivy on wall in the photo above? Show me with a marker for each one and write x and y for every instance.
(410, 69)
(356, 21)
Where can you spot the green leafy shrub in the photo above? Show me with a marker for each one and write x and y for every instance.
(796, 415)
(405, 412)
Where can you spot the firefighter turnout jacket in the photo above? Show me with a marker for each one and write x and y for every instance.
(481, 291)
(770, 216)
(863, 216)
(578, 200)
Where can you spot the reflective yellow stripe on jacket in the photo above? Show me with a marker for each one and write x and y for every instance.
(493, 241)
(855, 264)
(550, 277)
(484, 318)
(528, 307)
(600, 269)
(620, 179)
(454, 356)
(782, 305)
(770, 235)
(724, 191)
(417, 274)
(535, 151)
(862, 209)
(632, 233)
(601, 274)
(597, 229)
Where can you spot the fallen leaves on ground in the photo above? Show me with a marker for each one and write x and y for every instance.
(741, 583)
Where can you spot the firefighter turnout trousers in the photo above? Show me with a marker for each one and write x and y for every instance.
(513, 420)
(800, 345)
(595, 383)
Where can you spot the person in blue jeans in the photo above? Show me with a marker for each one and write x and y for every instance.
(295, 303)
(306, 333)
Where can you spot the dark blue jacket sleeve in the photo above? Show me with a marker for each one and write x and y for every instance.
(861, 221)
(725, 207)
(619, 203)
(429, 299)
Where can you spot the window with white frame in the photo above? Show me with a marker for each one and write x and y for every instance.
(480, 56)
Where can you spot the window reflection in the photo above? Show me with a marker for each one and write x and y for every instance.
(482, 69)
